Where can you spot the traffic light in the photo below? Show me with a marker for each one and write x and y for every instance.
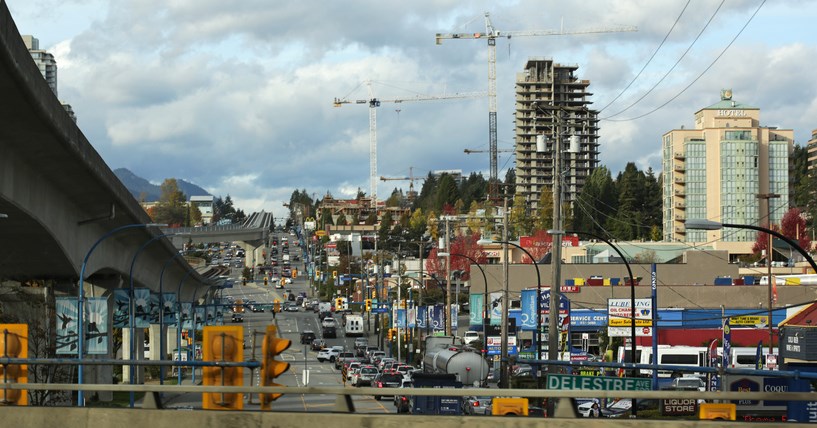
(270, 367)
(338, 303)
(223, 343)
(14, 344)
(294, 273)
(276, 306)
(266, 280)
(368, 305)
(334, 274)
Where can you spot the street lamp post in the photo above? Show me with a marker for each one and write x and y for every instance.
(81, 299)
(131, 308)
(702, 224)
(162, 344)
(485, 296)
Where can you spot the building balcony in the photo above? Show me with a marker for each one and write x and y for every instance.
(680, 193)
(680, 180)
(679, 155)
(680, 231)
(679, 167)
(680, 206)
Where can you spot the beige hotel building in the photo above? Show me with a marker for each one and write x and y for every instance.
(716, 171)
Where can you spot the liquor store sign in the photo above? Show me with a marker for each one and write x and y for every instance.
(598, 383)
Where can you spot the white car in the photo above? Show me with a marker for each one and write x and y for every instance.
(329, 354)
(329, 322)
(470, 336)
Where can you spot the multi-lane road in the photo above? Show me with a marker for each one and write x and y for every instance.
(301, 357)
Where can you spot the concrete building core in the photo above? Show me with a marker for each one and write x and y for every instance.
(541, 90)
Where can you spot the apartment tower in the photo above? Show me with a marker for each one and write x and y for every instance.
(552, 105)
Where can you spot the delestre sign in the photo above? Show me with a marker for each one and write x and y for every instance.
(619, 317)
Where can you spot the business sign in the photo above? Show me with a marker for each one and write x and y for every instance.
(749, 320)
(757, 384)
(679, 407)
(598, 383)
(619, 313)
(799, 343)
(588, 318)
(494, 345)
(628, 331)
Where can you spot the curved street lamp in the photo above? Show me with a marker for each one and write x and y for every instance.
(81, 298)
(632, 288)
(538, 295)
(132, 308)
(485, 295)
(703, 224)
(162, 344)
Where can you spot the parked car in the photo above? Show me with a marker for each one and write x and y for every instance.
(386, 380)
(307, 336)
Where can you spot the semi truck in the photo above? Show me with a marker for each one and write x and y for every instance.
(428, 405)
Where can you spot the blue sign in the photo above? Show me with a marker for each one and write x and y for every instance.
(588, 318)
(380, 310)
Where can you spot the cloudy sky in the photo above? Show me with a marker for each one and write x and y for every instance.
(236, 96)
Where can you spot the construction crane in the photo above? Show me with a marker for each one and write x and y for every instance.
(410, 179)
(373, 104)
(491, 34)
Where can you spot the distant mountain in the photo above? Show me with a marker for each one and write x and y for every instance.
(142, 189)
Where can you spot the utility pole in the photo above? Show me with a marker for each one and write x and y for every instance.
(556, 259)
(769, 259)
(503, 361)
(448, 322)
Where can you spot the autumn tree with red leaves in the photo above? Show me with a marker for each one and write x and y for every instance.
(793, 226)
(465, 245)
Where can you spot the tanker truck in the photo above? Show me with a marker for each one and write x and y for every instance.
(443, 357)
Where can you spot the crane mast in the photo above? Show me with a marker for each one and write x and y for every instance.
(373, 104)
(491, 34)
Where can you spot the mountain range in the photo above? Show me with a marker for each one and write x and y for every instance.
(144, 190)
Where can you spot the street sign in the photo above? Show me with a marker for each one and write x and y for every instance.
(598, 383)
(380, 310)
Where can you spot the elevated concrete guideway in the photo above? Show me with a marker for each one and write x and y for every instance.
(253, 231)
(60, 196)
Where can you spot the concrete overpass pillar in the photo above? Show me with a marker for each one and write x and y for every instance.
(172, 341)
(140, 354)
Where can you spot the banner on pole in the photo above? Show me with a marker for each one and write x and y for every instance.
(141, 304)
(67, 331)
(121, 307)
(96, 326)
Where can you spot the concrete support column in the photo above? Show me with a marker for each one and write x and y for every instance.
(140, 353)
(155, 335)
(172, 341)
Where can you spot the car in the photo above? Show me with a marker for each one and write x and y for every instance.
(328, 354)
(405, 370)
(329, 332)
(473, 405)
(589, 409)
(361, 342)
(470, 337)
(307, 336)
(365, 376)
(401, 401)
(238, 317)
(318, 344)
(688, 383)
(289, 307)
(386, 380)
(329, 322)
(349, 367)
(342, 358)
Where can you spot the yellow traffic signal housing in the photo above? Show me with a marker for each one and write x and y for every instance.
(276, 305)
(338, 304)
(504, 406)
(270, 367)
(223, 343)
(334, 274)
(266, 280)
(294, 273)
(368, 305)
(14, 344)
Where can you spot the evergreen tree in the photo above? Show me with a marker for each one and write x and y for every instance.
(447, 192)
(427, 192)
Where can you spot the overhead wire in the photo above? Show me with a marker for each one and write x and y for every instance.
(677, 19)
(695, 80)
(678, 61)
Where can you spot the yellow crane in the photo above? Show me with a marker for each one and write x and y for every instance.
(491, 34)
(373, 104)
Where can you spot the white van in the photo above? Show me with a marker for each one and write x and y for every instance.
(354, 325)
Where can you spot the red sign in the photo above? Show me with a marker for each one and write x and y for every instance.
(545, 240)
(569, 289)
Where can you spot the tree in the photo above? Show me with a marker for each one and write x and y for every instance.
(793, 226)
(172, 206)
(463, 244)
(520, 221)
(447, 192)
(544, 212)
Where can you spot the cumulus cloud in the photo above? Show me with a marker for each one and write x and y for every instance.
(237, 96)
